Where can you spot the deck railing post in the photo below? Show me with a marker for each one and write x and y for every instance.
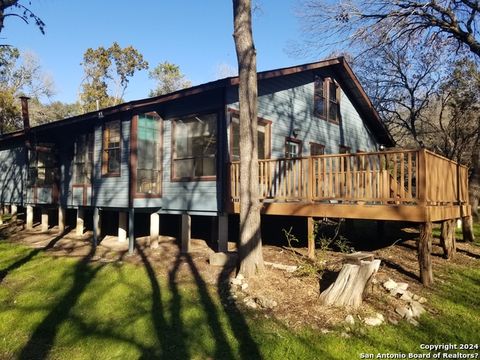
(311, 179)
(422, 181)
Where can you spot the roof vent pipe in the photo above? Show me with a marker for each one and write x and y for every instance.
(25, 115)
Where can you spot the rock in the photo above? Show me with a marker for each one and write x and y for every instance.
(413, 322)
(240, 277)
(396, 291)
(389, 284)
(380, 316)
(221, 258)
(235, 281)
(402, 286)
(415, 297)
(350, 320)
(417, 308)
(345, 335)
(373, 321)
(404, 312)
(422, 300)
(244, 286)
(251, 304)
(265, 303)
(406, 296)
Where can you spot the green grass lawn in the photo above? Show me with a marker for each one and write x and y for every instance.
(459, 234)
(69, 308)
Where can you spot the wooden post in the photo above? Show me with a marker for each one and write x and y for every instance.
(186, 232)
(311, 237)
(467, 229)
(14, 211)
(80, 222)
(154, 230)
(97, 231)
(29, 219)
(131, 230)
(1, 215)
(61, 220)
(222, 232)
(424, 254)
(44, 219)
(122, 226)
(447, 239)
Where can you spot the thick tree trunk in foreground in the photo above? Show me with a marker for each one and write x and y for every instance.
(425, 254)
(447, 239)
(474, 184)
(349, 287)
(250, 250)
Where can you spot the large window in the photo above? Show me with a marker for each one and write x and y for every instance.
(83, 159)
(326, 99)
(263, 133)
(149, 154)
(111, 148)
(42, 167)
(195, 147)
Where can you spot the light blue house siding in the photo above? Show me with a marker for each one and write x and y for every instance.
(12, 175)
(288, 102)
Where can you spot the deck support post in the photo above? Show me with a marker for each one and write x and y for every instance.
(80, 222)
(97, 231)
(131, 230)
(467, 229)
(44, 219)
(222, 233)
(425, 253)
(154, 230)
(14, 212)
(311, 237)
(186, 232)
(122, 226)
(61, 220)
(447, 239)
(29, 217)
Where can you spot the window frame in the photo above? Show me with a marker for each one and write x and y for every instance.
(327, 99)
(90, 137)
(52, 169)
(235, 114)
(296, 141)
(134, 156)
(173, 122)
(105, 154)
(316, 145)
(343, 149)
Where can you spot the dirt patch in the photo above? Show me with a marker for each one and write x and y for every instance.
(296, 294)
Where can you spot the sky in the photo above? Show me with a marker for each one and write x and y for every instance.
(194, 34)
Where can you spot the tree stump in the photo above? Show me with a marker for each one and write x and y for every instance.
(349, 287)
(447, 239)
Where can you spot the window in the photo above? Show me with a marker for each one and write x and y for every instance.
(326, 99)
(195, 147)
(263, 133)
(344, 149)
(293, 148)
(42, 167)
(317, 149)
(111, 148)
(149, 154)
(83, 159)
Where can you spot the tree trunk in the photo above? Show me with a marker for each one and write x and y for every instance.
(250, 249)
(349, 287)
(447, 239)
(425, 254)
(474, 183)
(467, 229)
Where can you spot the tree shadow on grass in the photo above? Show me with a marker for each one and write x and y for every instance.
(43, 337)
(19, 263)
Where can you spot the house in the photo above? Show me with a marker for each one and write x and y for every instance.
(319, 149)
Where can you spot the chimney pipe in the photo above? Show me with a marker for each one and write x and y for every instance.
(25, 115)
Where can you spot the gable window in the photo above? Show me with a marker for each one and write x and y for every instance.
(326, 99)
(263, 133)
(111, 148)
(149, 154)
(42, 167)
(83, 159)
(195, 148)
(317, 149)
(293, 148)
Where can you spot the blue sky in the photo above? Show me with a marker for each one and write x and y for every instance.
(196, 35)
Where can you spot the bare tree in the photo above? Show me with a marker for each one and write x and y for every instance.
(250, 250)
(349, 20)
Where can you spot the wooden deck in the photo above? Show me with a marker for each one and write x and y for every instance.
(404, 185)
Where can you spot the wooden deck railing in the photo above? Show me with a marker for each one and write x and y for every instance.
(406, 177)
